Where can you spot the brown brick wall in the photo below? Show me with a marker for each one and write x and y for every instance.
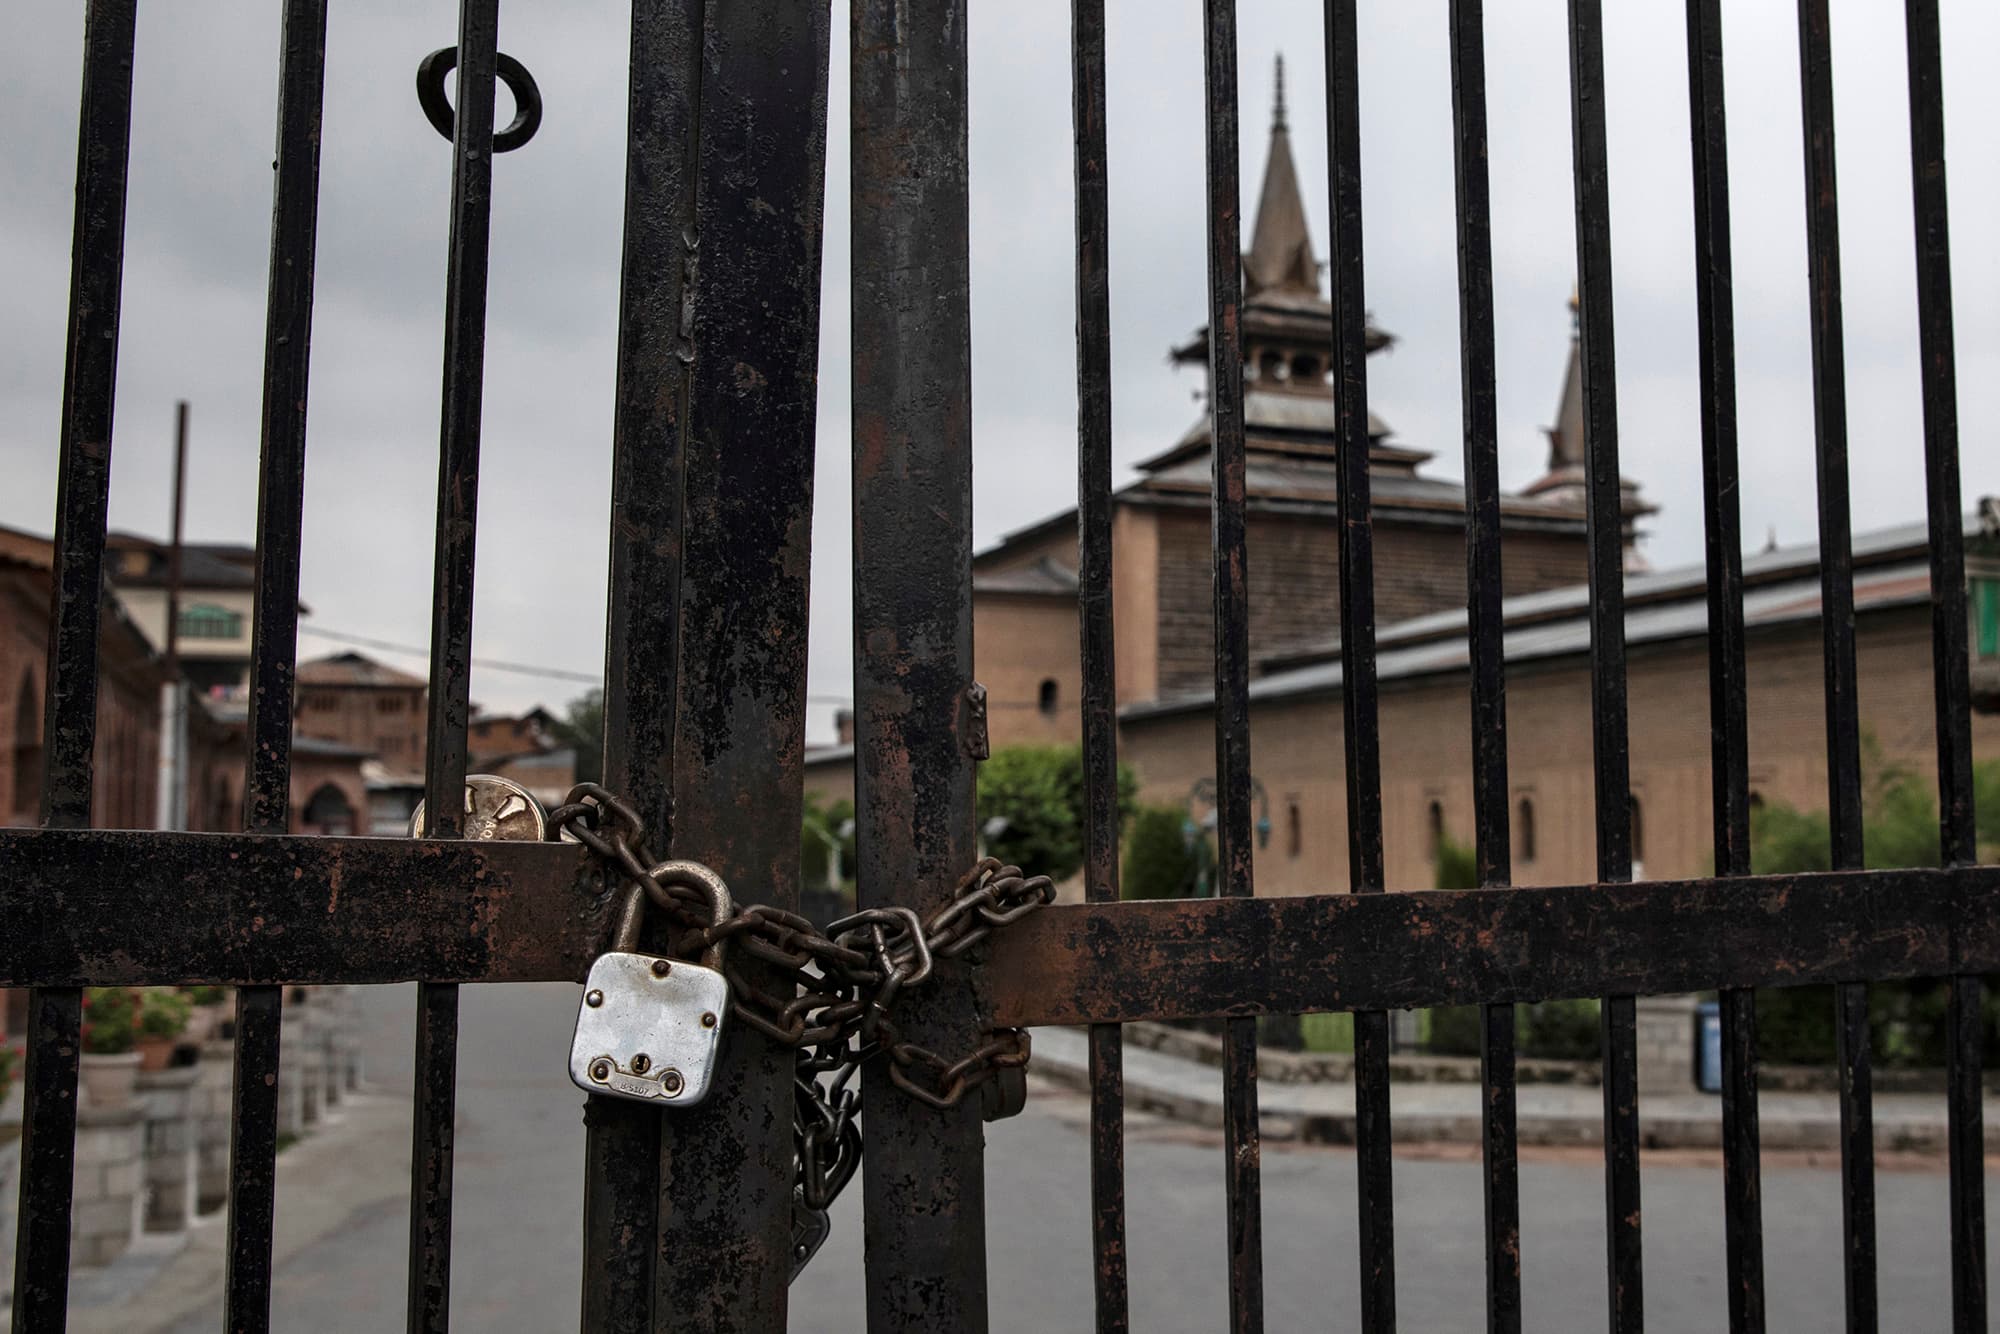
(125, 779)
(1017, 644)
(387, 721)
(1296, 751)
(1294, 572)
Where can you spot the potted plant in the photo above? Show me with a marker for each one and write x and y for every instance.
(211, 1007)
(109, 1064)
(163, 1017)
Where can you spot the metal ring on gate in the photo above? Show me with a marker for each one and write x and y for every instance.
(431, 72)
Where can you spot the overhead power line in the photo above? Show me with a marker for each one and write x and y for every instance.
(494, 664)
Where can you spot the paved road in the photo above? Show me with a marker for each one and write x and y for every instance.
(518, 1209)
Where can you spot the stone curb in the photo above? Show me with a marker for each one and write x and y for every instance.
(1542, 1129)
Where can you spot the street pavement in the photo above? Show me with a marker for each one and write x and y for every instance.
(342, 1207)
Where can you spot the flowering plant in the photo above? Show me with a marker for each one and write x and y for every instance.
(110, 1020)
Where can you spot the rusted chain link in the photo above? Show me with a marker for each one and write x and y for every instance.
(829, 993)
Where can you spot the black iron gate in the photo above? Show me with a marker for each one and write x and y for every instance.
(688, 1216)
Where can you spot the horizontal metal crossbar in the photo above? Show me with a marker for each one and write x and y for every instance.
(98, 907)
(1118, 963)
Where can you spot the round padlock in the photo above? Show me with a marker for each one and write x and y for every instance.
(495, 807)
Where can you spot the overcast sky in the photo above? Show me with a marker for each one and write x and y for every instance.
(198, 237)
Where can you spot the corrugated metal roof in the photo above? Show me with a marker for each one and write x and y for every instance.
(1415, 648)
(1044, 578)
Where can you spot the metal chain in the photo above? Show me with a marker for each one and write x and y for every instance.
(829, 993)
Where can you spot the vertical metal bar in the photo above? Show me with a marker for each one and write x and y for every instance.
(1229, 534)
(1728, 706)
(642, 642)
(1485, 631)
(1610, 755)
(924, 1182)
(1843, 726)
(1097, 642)
(752, 310)
(274, 633)
(1949, 662)
(69, 702)
(1373, 1190)
(435, 1056)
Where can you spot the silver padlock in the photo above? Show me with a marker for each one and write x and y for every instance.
(495, 807)
(650, 1028)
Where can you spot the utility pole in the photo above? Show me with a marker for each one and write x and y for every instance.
(174, 747)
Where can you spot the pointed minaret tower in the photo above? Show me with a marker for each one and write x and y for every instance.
(1566, 483)
(1287, 330)
(1281, 252)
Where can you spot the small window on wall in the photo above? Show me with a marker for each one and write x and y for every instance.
(206, 621)
(1295, 834)
(1046, 697)
(1434, 828)
(1524, 829)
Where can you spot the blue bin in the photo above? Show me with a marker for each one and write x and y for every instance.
(1708, 1047)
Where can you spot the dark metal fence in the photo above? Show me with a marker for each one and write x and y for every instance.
(687, 1215)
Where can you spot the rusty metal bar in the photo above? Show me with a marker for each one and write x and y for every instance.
(1228, 534)
(642, 638)
(1728, 697)
(436, 1050)
(1361, 732)
(274, 635)
(1950, 664)
(1611, 761)
(1097, 642)
(1485, 624)
(759, 171)
(1843, 726)
(479, 911)
(923, 1180)
(69, 700)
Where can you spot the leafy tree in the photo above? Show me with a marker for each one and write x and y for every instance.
(1899, 828)
(1038, 791)
(1158, 864)
(582, 726)
(826, 826)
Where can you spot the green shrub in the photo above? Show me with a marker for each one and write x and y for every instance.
(163, 1013)
(1557, 1030)
(1038, 791)
(1457, 866)
(1450, 1030)
(1157, 862)
(1326, 1032)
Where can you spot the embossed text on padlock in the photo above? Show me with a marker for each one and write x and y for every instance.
(650, 1028)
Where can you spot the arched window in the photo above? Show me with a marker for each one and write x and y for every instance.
(1295, 832)
(1435, 828)
(1045, 698)
(1524, 829)
(27, 758)
(328, 811)
(1305, 368)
